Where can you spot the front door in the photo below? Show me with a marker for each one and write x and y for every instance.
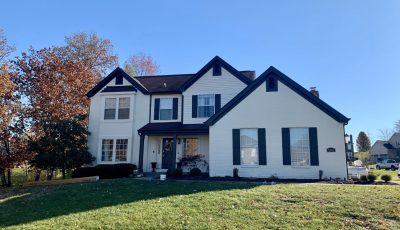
(167, 155)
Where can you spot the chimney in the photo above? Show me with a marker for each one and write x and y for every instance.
(314, 91)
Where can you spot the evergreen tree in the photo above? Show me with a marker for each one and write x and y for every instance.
(363, 142)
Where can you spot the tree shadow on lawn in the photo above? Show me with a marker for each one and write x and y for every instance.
(25, 205)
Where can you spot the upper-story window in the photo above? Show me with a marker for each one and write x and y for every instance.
(166, 108)
(205, 105)
(117, 105)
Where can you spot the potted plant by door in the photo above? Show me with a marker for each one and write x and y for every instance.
(153, 166)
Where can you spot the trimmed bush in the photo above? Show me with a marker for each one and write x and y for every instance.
(175, 172)
(106, 171)
(236, 172)
(371, 178)
(386, 178)
(195, 172)
(84, 172)
(363, 178)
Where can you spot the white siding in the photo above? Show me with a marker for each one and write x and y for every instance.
(227, 85)
(179, 96)
(114, 129)
(273, 111)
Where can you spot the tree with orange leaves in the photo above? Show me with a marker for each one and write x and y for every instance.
(13, 142)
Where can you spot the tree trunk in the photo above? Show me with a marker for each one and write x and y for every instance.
(37, 174)
(50, 173)
(63, 171)
(9, 183)
(9, 178)
(3, 177)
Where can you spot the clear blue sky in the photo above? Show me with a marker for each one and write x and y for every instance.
(350, 50)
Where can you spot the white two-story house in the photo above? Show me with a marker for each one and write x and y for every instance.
(264, 126)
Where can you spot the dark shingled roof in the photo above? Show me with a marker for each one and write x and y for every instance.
(173, 83)
(164, 83)
(388, 146)
(173, 127)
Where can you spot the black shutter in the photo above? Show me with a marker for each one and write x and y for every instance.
(194, 106)
(217, 102)
(262, 147)
(286, 146)
(157, 109)
(175, 109)
(314, 160)
(236, 146)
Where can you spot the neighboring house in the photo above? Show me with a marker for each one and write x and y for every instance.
(265, 126)
(390, 149)
(349, 145)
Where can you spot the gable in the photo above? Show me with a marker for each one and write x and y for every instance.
(272, 73)
(120, 77)
(220, 63)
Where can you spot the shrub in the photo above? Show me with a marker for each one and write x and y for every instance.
(106, 171)
(175, 172)
(195, 172)
(371, 178)
(84, 172)
(363, 178)
(386, 178)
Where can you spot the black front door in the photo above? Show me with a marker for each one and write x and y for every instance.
(167, 154)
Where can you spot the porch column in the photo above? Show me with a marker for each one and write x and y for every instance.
(141, 150)
(174, 151)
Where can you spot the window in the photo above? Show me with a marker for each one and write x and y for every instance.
(109, 109)
(205, 105)
(300, 146)
(166, 109)
(121, 150)
(123, 108)
(249, 146)
(116, 153)
(107, 149)
(190, 147)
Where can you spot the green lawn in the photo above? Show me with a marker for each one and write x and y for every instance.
(129, 203)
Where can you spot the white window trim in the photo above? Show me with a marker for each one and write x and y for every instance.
(198, 104)
(309, 152)
(183, 145)
(117, 108)
(258, 154)
(172, 109)
(114, 153)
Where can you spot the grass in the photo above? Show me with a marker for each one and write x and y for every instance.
(134, 204)
(379, 173)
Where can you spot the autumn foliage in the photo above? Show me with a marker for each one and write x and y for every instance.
(55, 89)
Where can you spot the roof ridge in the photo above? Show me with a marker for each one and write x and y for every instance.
(165, 75)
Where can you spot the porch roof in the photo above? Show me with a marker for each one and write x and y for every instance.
(173, 128)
